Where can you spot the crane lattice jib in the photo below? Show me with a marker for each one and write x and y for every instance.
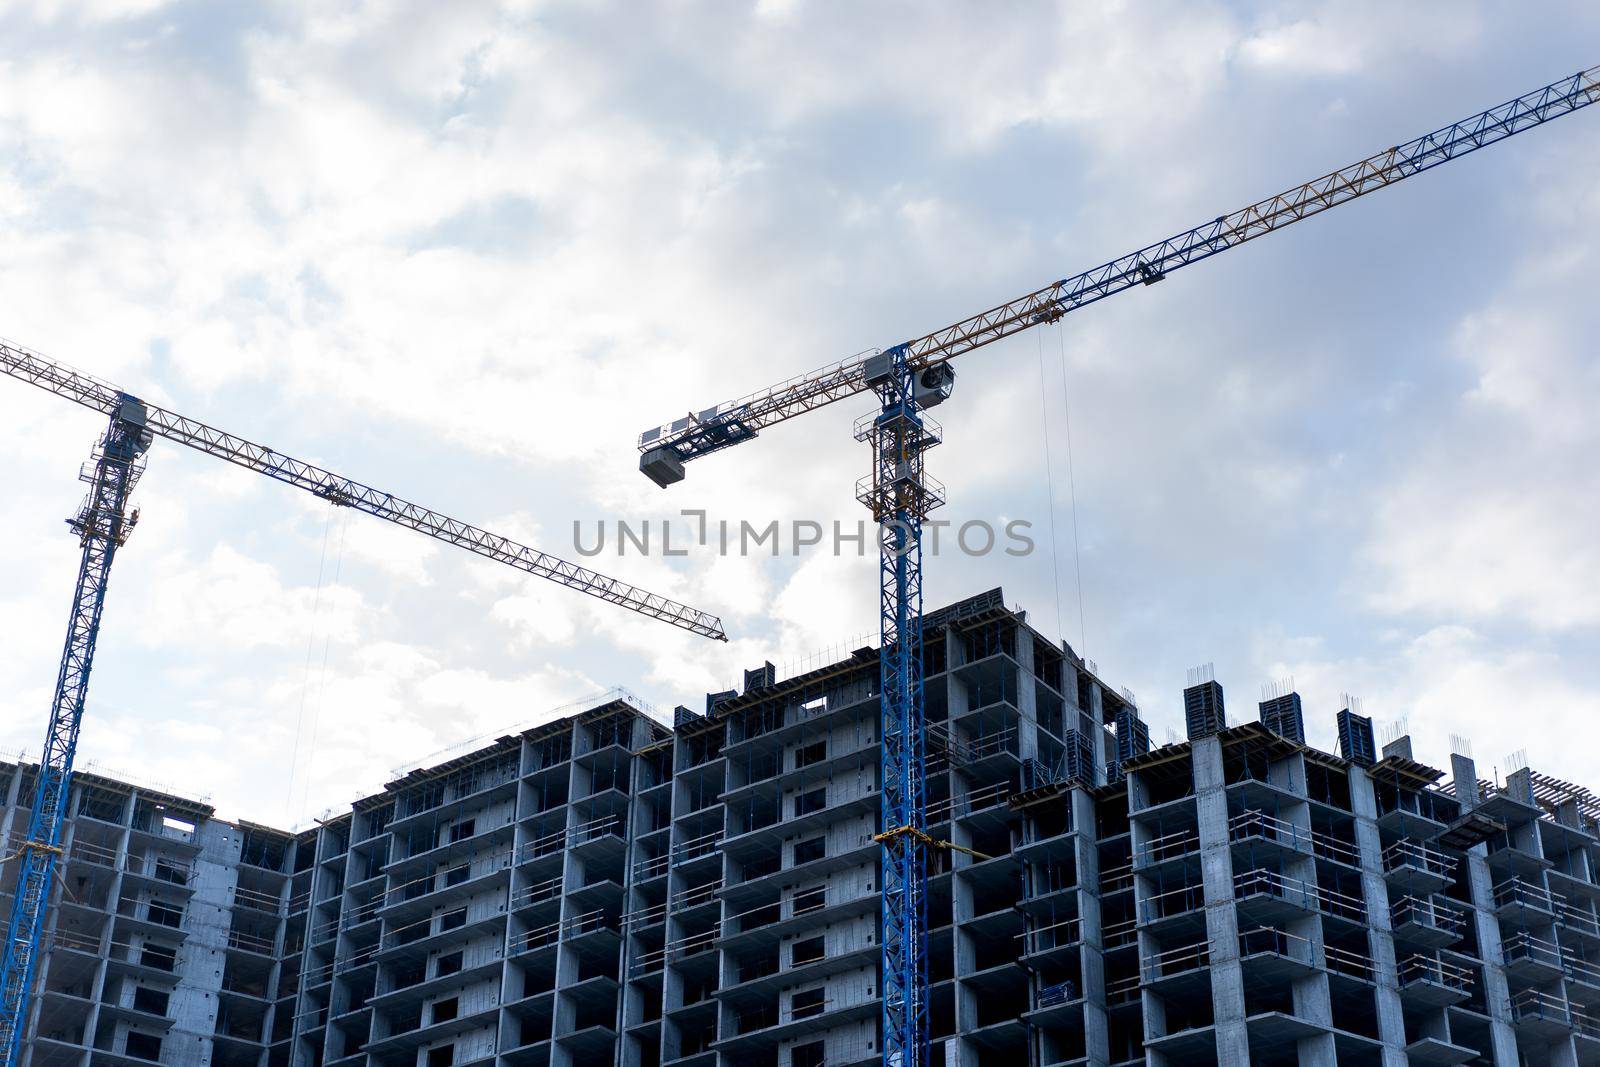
(728, 424)
(93, 393)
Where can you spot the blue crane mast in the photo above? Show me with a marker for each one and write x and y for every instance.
(103, 525)
(914, 375)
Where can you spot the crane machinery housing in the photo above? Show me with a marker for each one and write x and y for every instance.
(914, 375)
(103, 525)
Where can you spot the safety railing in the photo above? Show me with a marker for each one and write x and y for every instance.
(1269, 940)
(595, 829)
(654, 867)
(1119, 934)
(257, 901)
(1332, 848)
(998, 742)
(1258, 824)
(564, 929)
(1270, 883)
(681, 948)
(696, 847)
(1176, 960)
(550, 844)
(643, 918)
(1172, 902)
(695, 895)
(1054, 935)
(1581, 970)
(1168, 846)
(361, 913)
(1341, 905)
(1122, 991)
(171, 871)
(1532, 1004)
(966, 803)
(1523, 947)
(1428, 912)
(750, 1022)
(1516, 891)
(537, 893)
(1430, 969)
(537, 937)
(1576, 918)
(1118, 879)
(73, 940)
(250, 943)
(1417, 856)
(1346, 962)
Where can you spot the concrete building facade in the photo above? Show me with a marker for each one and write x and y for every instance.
(605, 889)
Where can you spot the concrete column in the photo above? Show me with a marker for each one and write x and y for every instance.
(1380, 939)
(625, 993)
(1096, 1027)
(1222, 920)
(1496, 988)
(1464, 773)
(1312, 998)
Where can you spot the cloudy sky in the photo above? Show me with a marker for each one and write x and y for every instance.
(466, 252)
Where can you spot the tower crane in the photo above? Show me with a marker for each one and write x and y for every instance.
(914, 375)
(103, 524)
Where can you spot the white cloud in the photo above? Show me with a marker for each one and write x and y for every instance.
(229, 601)
(1351, 37)
(1451, 680)
(1493, 515)
(467, 251)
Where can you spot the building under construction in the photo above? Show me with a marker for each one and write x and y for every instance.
(604, 889)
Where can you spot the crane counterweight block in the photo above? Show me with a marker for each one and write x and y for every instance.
(934, 385)
(662, 466)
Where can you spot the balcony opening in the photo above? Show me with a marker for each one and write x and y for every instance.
(810, 850)
(810, 899)
(812, 801)
(164, 914)
(263, 848)
(811, 950)
(143, 1046)
(161, 957)
(406, 975)
(807, 1003)
(753, 967)
(151, 1000)
(597, 1013)
(168, 871)
(809, 755)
